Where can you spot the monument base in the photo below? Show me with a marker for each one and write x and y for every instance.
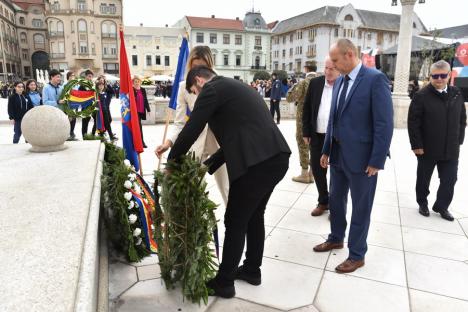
(49, 251)
(401, 104)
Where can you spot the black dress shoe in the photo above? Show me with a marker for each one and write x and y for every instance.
(250, 277)
(223, 291)
(445, 215)
(144, 145)
(423, 210)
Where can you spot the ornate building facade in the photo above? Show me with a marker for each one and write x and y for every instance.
(10, 62)
(240, 47)
(84, 34)
(308, 37)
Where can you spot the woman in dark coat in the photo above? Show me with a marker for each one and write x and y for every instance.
(141, 103)
(18, 106)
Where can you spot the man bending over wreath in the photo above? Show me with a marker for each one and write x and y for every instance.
(256, 156)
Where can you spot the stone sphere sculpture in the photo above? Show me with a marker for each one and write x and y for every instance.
(46, 128)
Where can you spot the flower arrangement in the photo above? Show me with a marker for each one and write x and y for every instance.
(128, 207)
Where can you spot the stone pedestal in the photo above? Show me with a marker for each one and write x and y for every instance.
(400, 110)
(49, 246)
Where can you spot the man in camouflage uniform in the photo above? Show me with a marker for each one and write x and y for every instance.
(297, 94)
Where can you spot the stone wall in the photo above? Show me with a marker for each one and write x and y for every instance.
(159, 106)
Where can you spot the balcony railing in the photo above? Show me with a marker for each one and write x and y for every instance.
(56, 34)
(258, 67)
(57, 55)
(257, 47)
(109, 35)
(109, 56)
(311, 54)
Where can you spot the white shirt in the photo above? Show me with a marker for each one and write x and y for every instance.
(352, 77)
(324, 109)
(443, 90)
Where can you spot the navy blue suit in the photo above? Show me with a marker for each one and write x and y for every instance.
(358, 135)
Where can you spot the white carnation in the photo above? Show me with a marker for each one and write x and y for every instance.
(137, 232)
(137, 188)
(132, 218)
(128, 195)
(131, 204)
(127, 163)
(138, 242)
(152, 227)
(128, 184)
(131, 176)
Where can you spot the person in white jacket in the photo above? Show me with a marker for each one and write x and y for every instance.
(206, 143)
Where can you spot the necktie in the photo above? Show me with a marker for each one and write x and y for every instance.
(342, 98)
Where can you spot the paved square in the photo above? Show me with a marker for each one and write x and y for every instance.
(413, 263)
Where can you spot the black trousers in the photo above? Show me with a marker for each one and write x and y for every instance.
(107, 125)
(320, 174)
(85, 123)
(72, 126)
(141, 127)
(248, 197)
(275, 107)
(447, 170)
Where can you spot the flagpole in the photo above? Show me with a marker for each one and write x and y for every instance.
(169, 113)
(168, 118)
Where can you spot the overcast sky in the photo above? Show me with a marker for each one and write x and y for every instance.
(433, 13)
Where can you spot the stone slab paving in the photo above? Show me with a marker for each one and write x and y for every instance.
(413, 263)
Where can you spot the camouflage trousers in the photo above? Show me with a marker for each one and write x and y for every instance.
(303, 148)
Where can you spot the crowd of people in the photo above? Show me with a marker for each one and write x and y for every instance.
(344, 124)
(27, 95)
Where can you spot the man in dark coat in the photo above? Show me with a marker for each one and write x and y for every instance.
(315, 116)
(256, 155)
(436, 128)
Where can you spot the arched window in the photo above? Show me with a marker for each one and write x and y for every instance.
(39, 41)
(60, 26)
(38, 38)
(52, 26)
(349, 17)
(82, 27)
(109, 29)
(23, 38)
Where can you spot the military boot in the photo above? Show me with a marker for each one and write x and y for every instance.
(305, 177)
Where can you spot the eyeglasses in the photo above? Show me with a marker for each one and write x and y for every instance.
(437, 76)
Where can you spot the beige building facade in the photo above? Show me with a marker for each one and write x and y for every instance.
(153, 50)
(32, 36)
(10, 62)
(83, 34)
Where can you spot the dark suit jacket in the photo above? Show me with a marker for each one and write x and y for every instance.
(311, 107)
(241, 123)
(365, 122)
(436, 123)
(145, 102)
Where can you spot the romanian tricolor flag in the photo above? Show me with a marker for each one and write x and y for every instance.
(146, 208)
(131, 135)
(81, 99)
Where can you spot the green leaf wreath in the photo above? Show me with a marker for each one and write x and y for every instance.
(65, 96)
(184, 226)
(121, 213)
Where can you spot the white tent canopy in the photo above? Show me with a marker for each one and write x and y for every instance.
(161, 78)
(110, 77)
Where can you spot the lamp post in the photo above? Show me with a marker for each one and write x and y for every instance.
(401, 99)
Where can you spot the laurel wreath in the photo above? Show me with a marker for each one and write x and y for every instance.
(65, 96)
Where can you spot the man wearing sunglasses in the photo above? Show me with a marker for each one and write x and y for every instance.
(436, 127)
